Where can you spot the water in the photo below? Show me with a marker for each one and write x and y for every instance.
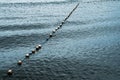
(86, 48)
(26, 1)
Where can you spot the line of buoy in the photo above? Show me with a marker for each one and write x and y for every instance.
(27, 56)
(38, 47)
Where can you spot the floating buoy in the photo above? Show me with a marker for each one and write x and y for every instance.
(50, 35)
(30, 53)
(56, 29)
(33, 51)
(47, 39)
(10, 72)
(65, 18)
(27, 55)
(19, 62)
(53, 31)
(63, 22)
(38, 47)
(60, 25)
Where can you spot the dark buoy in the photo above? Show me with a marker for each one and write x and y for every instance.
(30, 53)
(37, 49)
(27, 55)
(10, 72)
(65, 18)
(19, 62)
(47, 39)
(33, 51)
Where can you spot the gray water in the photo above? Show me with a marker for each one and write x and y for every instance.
(86, 48)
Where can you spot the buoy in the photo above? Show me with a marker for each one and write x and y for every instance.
(65, 18)
(47, 39)
(63, 22)
(33, 51)
(56, 29)
(53, 31)
(60, 25)
(10, 72)
(38, 47)
(27, 55)
(30, 53)
(50, 35)
(19, 62)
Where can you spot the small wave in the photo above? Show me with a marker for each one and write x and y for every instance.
(93, 21)
(22, 32)
(13, 39)
(33, 2)
(28, 1)
(11, 18)
(24, 27)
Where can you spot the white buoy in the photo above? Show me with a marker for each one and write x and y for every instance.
(56, 29)
(53, 31)
(65, 18)
(38, 47)
(27, 55)
(63, 22)
(60, 25)
(10, 72)
(50, 35)
(19, 62)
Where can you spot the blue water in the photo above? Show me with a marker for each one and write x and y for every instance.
(91, 36)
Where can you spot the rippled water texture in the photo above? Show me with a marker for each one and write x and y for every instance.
(86, 48)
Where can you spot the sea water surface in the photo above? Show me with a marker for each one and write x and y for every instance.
(86, 48)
